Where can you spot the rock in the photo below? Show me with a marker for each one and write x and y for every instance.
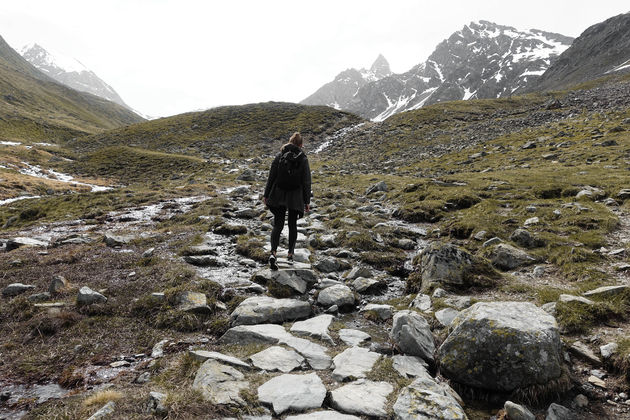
(39, 297)
(119, 364)
(525, 239)
(148, 253)
(531, 221)
(194, 302)
(314, 353)
(581, 401)
(422, 302)
(293, 392)
(87, 296)
(539, 271)
(529, 145)
(247, 175)
(15, 289)
(353, 363)
(203, 355)
(58, 284)
(277, 359)
(104, 411)
(517, 412)
(446, 316)
(219, 383)
(550, 308)
(459, 302)
(445, 264)
(340, 295)
(302, 255)
(118, 240)
(15, 243)
(378, 187)
(594, 380)
(624, 194)
(327, 265)
(608, 350)
(480, 236)
(368, 286)
(143, 378)
(357, 272)
(202, 260)
(606, 291)
(412, 335)
(316, 327)
(491, 241)
(382, 312)
(406, 244)
(475, 354)
(264, 309)
(323, 415)
(353, 337)
(286, 280)
(156, 403)
(158, 349)
(425, 399)
(564, 298)
(362, 397)
(507, 257)
(582, 351)
(409, 366)
(558, 412)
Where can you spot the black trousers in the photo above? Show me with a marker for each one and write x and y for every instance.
(279, 214)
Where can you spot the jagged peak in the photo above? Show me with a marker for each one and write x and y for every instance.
(380, 67)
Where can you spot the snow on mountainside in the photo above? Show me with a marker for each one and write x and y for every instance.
(338, 93)
(70, 72)
(482, 60)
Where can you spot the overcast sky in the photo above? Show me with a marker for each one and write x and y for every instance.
(166, 57)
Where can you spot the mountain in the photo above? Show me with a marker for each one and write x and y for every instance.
(34, 106)
(339, 93)
(482, 60)
(600, 50)
(70, 72)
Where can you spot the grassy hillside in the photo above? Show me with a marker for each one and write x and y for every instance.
(35, 108)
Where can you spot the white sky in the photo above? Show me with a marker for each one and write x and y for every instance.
(166, 57)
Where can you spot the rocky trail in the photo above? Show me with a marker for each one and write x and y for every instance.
(329, 337)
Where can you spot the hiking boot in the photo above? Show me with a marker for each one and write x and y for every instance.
(272, 262)
(290, 259)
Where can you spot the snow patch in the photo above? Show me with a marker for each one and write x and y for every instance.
(52, 175)
(10, 143)
(55, 58)
(12, 200)
(335, 136)
(622, 66)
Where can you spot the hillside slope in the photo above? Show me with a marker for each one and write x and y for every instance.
(34, 107)
(602, 49)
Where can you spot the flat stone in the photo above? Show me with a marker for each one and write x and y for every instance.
(507, 257)
(323, 415)
(19, 242)
(194, 302)
(446, 316)
(314, 353)
(422, 302)
(564, 298)
(316, 327)
(608, 350)
(426, 399)
(409, 366)
(412, 334)
(384, 312)
(353, 363)
(203, 355)
(118, 240)
(293, 392)
(606, 291)
(459, 302)
(594, 380)
(219, 383)
(353, 337)
(87, 296)
(202, 260)
(277, 359)
(156, 403)
(158, 349)
(15, 289)
(104, 411)
(362, 397)
(558, 412)
(357, 272)
(368, 285)
(39, 297)
(327, 265)
(264, 309)
(582, 351)
(340, 295)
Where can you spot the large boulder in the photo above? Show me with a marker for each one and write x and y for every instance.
(507, 257)
(426, 399)
(286, 282)
(446, 264)
(412, 334)
(502, 346)
(339, 294)
(264, 309)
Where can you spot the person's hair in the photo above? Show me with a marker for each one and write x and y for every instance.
(296, 139)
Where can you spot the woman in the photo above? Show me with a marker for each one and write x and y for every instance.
(288, 188)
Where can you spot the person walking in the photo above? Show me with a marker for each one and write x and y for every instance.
(288, 189)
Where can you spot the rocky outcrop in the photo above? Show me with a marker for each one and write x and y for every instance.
(219, 383)
(412, 335)
(426, 399)
(502, 346)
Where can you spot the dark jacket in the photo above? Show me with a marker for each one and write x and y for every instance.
(293, 199)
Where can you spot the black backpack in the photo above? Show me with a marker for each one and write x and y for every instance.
(289, 171)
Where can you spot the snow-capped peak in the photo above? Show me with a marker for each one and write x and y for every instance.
(50, 58)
